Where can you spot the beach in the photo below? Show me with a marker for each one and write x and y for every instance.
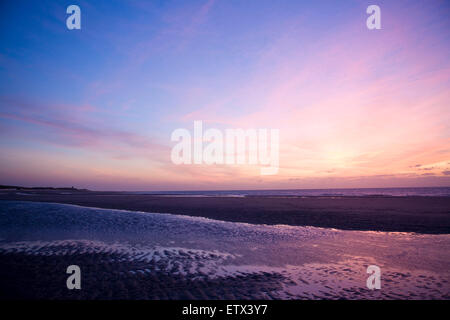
(224, 150)
(127, 254)
(430, 215)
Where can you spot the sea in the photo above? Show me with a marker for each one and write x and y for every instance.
(350, 192)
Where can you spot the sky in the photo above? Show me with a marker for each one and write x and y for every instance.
(95, 108)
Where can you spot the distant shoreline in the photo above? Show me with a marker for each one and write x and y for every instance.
(327, 192)
(7, 187)
(427, 215)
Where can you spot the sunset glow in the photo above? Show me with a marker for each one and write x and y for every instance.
(95, 108)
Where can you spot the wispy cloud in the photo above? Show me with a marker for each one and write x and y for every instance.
(71, 132)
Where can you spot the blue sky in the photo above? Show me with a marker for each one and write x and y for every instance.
(96, 106)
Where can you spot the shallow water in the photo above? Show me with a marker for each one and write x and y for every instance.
(281, 262)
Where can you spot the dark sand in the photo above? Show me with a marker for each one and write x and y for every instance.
(132, 255)
(429, 215)
(25, 276)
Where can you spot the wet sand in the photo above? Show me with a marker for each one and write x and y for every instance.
(132, 255)
(428, 215)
